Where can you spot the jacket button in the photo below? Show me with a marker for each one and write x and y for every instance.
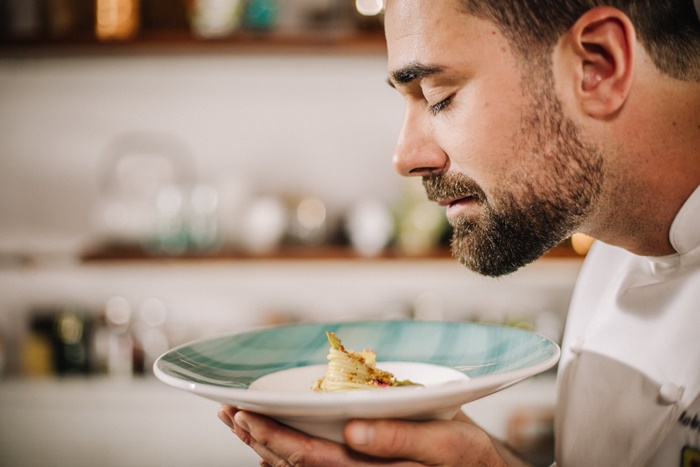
(670, 393)
(576, 345)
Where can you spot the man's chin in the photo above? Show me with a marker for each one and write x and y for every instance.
(491, 262)
(487, 268)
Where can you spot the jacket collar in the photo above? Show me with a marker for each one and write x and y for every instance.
(685, 230)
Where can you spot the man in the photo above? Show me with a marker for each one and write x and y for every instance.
(531, 120)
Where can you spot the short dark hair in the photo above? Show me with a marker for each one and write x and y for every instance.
(669, 30)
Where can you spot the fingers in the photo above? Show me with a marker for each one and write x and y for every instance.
(264, 427)
(369, 443)
(226, 414)
(430, 443)
(279, 445)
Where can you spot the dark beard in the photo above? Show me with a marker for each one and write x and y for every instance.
(517, 226)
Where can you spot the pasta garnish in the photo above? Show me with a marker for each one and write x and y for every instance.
(348, 369)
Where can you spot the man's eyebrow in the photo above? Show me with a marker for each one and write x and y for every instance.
(412, 72)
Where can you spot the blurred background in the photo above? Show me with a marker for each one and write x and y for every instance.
(176, 169)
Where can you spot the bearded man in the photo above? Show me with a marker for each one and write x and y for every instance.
(530, 120)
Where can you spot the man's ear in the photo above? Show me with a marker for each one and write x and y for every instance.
(597, 54)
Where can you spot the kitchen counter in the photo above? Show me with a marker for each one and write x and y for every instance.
(98, 421)
(142, 422)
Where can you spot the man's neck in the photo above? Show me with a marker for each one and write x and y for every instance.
(655, 169)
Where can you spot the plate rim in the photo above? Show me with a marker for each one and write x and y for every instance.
(298, 403)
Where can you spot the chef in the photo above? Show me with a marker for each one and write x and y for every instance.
(629, 376)
(530, 120)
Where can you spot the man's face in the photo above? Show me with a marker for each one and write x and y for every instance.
(487, 134)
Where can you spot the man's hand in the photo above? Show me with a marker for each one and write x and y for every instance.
(370, 443)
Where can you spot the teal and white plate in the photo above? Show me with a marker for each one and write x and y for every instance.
(270, 371)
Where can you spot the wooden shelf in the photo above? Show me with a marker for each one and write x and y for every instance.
(294, 253)
(182, 42)
(291, 253)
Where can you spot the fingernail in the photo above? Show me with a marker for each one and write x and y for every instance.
(224, 417)
(359, 433)
(241, 421)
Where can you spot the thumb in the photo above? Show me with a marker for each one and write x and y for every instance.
(436, 442)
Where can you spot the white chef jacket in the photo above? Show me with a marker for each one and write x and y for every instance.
(629, 375)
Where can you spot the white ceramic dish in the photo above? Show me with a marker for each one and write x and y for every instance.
(270, 371)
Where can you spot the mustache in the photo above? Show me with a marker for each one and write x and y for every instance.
(452, 185)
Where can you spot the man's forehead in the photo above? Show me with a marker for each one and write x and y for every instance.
(429, 33)
(411, 10)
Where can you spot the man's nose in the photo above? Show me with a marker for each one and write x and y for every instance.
(416, 153)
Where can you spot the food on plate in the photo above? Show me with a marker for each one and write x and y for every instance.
(348, 369)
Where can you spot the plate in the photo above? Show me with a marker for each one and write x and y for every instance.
(270, 371)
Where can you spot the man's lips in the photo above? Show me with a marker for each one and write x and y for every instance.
(455, 201)
(457, 206)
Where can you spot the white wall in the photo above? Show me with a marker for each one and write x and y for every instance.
(320, 124)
